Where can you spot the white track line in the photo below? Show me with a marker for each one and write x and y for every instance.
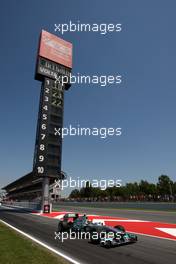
(143, 234)
(42, 244)
(120, 220)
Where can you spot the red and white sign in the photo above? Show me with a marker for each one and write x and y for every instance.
(55, 49)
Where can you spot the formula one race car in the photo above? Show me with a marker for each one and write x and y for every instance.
(76, 223)
(97, 232)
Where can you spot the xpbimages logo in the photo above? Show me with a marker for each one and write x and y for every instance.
(102, 28)
(102, 80)
(103, 184)
(72, 235)
(101, 132)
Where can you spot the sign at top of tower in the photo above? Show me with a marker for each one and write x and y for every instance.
(55, 49)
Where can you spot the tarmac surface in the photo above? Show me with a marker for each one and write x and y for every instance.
(147, 250)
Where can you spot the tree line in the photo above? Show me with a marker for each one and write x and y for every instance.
(163, 190)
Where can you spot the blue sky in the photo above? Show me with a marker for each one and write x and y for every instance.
(143, 105)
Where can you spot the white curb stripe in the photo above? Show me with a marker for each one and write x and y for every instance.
(41, 243)
(126, 220)
(143, 234)
(170, 231)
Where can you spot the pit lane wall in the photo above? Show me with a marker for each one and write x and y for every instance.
(25, 205)
(161, 206)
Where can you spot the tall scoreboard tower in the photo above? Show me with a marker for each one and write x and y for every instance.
(54, 64)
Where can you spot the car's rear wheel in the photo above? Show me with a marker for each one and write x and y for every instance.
(67, 225)
(70, 224)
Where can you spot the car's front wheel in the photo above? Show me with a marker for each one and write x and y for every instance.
(108, 244)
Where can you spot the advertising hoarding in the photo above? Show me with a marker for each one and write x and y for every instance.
(55, 49)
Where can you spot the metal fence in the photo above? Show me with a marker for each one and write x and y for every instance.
(26, 205)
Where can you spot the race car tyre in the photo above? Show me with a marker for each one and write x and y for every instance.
(70, 224)
(108, 244)
(66, 225)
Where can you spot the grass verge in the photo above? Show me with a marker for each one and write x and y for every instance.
(15, 249)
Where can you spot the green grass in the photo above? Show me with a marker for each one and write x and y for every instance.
(15, 249)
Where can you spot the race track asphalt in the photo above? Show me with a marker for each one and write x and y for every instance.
(147, 250)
